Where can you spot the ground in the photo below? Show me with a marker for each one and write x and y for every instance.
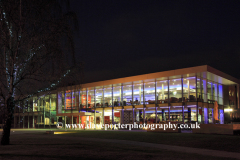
(36, 144)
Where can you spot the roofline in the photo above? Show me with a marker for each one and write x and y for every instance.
(222, 74)
(197, 69)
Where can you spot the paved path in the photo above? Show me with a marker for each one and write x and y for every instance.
(208, 152)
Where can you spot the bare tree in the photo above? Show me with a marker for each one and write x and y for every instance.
(36, 51)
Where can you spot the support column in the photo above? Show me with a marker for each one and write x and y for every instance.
(50, 103)
(133, 116)
(143, 115)
(79, 121)
(163, 91)
(121, 99)
(65, 99)
(94, 108)
(112, 110)
(71, 101)
(103, 97)
(132, 93)
(212, 98)
(183, 113)
(122, 116)
(143, 94)
(183, 103)
(86, 98)
(155, 114)
(44, 112)
(72, 119)
(205, 90)
(156, 93)
(79, 101)
(197, 108)
(140, 95)
(156, 101)
(103, 117)
(168, 102)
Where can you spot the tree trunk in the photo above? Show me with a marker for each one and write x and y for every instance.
(8, 121)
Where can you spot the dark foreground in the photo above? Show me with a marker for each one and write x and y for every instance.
(29, 144)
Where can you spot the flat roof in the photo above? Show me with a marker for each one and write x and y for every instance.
(204, 71)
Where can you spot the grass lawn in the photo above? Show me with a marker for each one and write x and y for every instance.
(37, 145)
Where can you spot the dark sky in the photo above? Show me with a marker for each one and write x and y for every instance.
(120, 38)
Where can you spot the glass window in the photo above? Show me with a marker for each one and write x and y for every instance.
(162, 91)
(215, 91)
(30, 104)
(117, 116)
(35, 106)
(83, 98)
(210, 115)
(99, 96)
(117, 94)
(74, 97)
(91, 97)
(189, 89)
(41, 101)
(175, 90)
(199, 96)
(138, 93)
(127, 94)
(53, 101)
(209, 90)
(204, 90)
(150, 115)
(149, 92)
(25, 106)
(108, 96)
(176, 113)
(68, 99)
(61, 102)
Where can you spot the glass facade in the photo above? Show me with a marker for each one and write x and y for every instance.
(182, 98)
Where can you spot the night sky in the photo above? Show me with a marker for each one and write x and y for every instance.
(120, 38)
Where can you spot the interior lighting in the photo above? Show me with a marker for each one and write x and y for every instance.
(228, 109)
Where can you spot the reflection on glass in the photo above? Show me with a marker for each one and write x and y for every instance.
(149, 92)
(162, 92)
(117, 95)
(175, 90)
(127, 94)
(138, 93)
(99, 96)
(108, 96)
(189, 89)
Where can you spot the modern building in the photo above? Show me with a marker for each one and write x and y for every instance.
(181, 95)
